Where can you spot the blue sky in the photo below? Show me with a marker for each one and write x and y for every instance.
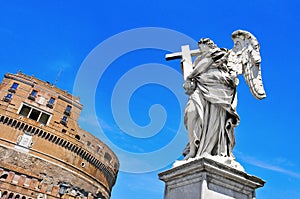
(44, 38)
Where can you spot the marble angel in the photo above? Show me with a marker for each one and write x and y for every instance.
(210, 82)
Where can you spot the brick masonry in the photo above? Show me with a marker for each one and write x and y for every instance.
(43, 155)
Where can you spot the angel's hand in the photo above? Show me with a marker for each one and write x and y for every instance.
(189, 85)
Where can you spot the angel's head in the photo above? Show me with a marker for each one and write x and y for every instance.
(206, 44)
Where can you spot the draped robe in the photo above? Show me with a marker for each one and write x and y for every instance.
(210, 115)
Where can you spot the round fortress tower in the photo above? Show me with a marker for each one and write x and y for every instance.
(43, 151)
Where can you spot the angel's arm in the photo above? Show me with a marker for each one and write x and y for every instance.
(201, 66)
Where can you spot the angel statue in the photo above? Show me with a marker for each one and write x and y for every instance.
(210, 82)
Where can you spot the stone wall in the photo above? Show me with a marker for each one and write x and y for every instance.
(47, 155)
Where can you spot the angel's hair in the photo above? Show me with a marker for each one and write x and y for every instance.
(207, 42)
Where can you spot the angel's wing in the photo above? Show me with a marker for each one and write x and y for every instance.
(245, 59)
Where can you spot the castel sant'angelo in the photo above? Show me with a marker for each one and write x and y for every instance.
(43, 151)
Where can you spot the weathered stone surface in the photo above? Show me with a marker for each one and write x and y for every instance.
(207, 179)
(39, 153)
(47, 172)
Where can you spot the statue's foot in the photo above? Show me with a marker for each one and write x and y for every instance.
(190, 155)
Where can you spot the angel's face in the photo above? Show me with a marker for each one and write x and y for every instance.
(203, 48)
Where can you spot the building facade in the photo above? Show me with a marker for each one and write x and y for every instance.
(43, 151)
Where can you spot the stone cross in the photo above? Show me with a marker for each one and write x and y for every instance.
(186, 55)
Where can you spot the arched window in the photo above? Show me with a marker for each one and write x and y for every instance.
(75, 149)
(44, 134)
(77, 137)
(10, 196)
(4, 195)
(78, 150)
(54, 139)
(22, 126)
(40, 133)
(10, 121)
(36, 132)
(26, 126)
(33, 130)
(57, 141)
(64, 144)
(51, 137)
(5, 120)
(18, 125)
(14, 123)
(3, 177)
(107, 157)
(61, 142)
(116, 165)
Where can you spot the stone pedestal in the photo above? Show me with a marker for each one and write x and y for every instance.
(207, 179)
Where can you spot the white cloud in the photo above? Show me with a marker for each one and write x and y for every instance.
(273, 167)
